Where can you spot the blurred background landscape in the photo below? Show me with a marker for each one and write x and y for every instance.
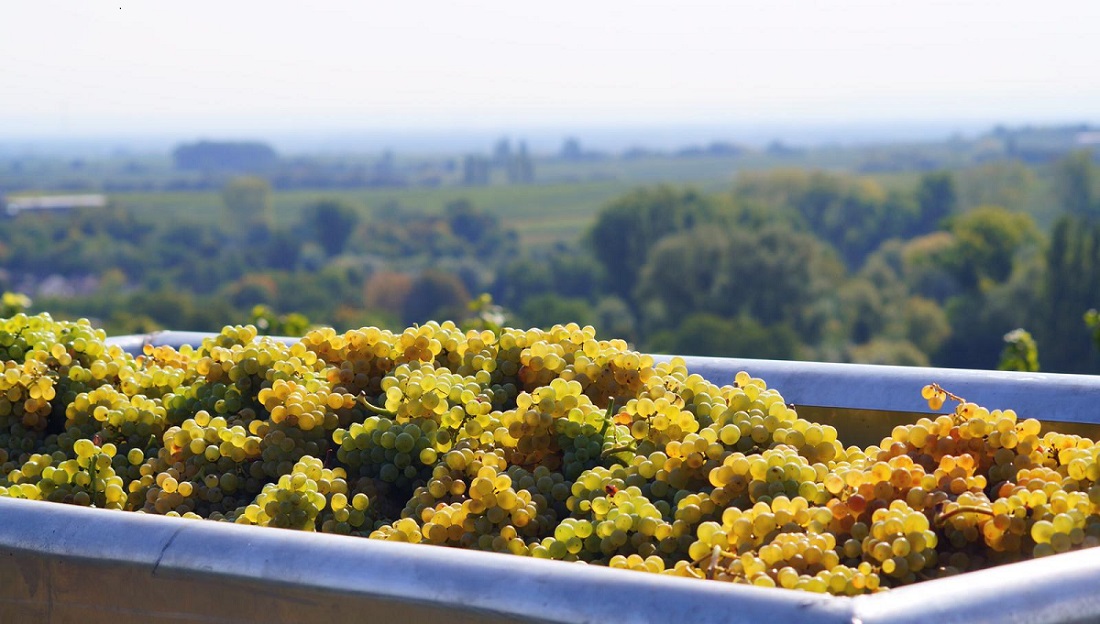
(866, 182)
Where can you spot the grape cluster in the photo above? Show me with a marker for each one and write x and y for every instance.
(543, 443)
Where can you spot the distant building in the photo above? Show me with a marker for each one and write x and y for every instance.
(520, 169)
(53, 203)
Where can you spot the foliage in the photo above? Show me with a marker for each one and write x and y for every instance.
(987, 241)
(627, 229)
(485, 315)
(938, 198)
(12, 303)
(546, 310)
(247, 200)
(1092, 320)
(435, 294)
(1071, 286)
(270, 323)
(930, 266)
(744, 336)
(1020, 352)
(329, 223)
(1077, 185)
(774, 275)
(853, 214)
(463, 231)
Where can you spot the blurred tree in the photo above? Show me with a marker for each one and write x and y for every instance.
(519, 280)
(251, 290)
(387, 291)
(980, 318)
(853, 214)
(711, 335)
(887, 351)
(925, 266)
(247, 200)
(468, 223)
(937, 196)
(1006, 183)
(863, 308)
(435, 295)
(330, 223)
(627, 229)
(615, 319)
(1070, 288)
(773, 275)
(926, 324)
(546, 310)
(1075, 184)
(986, 241)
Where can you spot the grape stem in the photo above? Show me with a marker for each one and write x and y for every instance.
(92, 473)
(951, 395)
(945, 516)
(607, 415)
(618, 449)
(714, 553)
(374, 408)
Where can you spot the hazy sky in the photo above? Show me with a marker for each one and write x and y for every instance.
(91, 67)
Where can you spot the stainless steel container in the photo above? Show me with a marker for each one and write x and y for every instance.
(62, 563)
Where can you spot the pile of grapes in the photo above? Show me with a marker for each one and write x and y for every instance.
(549, 444)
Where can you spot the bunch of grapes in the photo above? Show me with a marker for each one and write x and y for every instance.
(543, 443)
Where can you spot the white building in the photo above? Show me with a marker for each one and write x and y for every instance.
(53, 203)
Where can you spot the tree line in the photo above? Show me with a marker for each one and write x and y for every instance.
(931, 269)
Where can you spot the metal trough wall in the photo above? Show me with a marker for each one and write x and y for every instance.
(61, 563)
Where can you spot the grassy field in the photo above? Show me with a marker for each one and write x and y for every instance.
(557, 208)
(542, 214)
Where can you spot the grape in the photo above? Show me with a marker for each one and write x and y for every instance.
(544, 443)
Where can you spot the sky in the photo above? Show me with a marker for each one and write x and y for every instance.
(91, 68)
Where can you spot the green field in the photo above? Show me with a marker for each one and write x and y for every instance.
(557, 209)
(542, 214)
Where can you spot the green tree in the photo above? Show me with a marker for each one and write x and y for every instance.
(615, 319)
(247, 201)
(1006, 183)
(1070, 288)
(774, 275)
(938, 198)
(547, 309)
(710, 335)
(887, 351)
(986, 242)
(853, 214)
(1075, 184)
(926, 324)
(627, 229)
(435, 295)
(865, 312)
(980, 318)
(331, 223)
